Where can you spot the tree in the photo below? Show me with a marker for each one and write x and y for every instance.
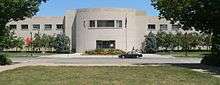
(207, 40)
(19, 43)
(48, 41)
(151, 43)
(9, 42)
(194, 40)
(45, 41)
(179, 41)
(161, 40)
(170, 39)
(37, 42)
(166, 40)
(61, 43)
(51, 42)
(15, 10)
(203, 15)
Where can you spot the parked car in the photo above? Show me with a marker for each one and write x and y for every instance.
(131, 54)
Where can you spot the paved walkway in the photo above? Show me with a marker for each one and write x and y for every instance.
(78, 55)
(78, 60)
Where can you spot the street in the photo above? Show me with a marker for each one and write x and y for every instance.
(147, 59)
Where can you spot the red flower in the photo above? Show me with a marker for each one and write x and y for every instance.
(28, 41)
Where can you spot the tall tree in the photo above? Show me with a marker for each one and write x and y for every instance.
(203, 15)
(15, 10)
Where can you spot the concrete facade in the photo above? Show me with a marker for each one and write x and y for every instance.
(130, 27)
(42, 21)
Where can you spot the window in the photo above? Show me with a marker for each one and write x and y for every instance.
(105, 44)
(13, 26)
(92, 23)
(105, 23)
(36, 26)
(48, 26)
(151, 26)
(176, 27)
(163, 27)
(24, 27)
(118, 23)
(59, 26)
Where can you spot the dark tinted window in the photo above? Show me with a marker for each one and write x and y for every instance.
(92, 23)
(36, 26)
(48, 26)
(151, 26)
(23, 27)
(59, 26)
(13, 26)
(106, 23)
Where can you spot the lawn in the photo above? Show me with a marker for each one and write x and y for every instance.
(142, 75)
(182, 54)
(24, 54)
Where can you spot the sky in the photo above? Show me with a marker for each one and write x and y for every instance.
(58, 7)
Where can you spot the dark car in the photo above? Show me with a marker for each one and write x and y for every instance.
(131, 54)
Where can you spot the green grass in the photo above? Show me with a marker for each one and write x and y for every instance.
(23, 54)
(182, 54)
(143, 75)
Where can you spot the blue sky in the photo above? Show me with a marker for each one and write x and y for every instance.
(58, 7)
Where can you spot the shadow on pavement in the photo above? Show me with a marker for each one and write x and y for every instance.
(196, 66)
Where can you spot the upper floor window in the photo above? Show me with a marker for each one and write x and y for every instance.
(118, 23)
(92, 23)
(151, 26)
(59, 26)
(105, 23)
(163, 27)
(13, 26)
(24, 27)
(36, 26)
(176, 27)
(48, 26)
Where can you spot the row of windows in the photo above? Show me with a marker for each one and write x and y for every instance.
(105, 23)
(96, 23)
(37, 26)
(163, 27)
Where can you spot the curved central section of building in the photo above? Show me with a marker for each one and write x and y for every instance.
(107, 28)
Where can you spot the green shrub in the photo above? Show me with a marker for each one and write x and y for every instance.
(151, 43)
(213, 60)
(105, 52)
(4, 60)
